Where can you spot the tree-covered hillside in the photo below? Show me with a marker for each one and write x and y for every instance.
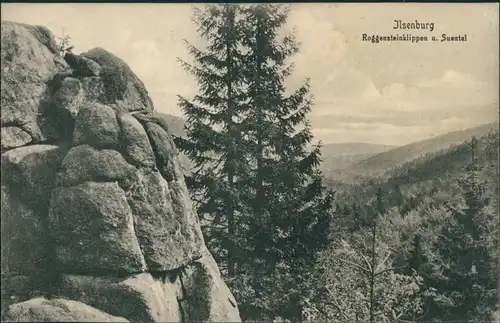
(383, 163)
(434, 170)
(418, 244)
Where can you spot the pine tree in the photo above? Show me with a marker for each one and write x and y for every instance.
(417, 257)
(466, 280)
(290, 206)
(357, 219)
(397, 197)
(379, 211)
(255, 180)
(213, 138)
(346, 210)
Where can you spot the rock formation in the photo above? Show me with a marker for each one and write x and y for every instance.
(97, 223)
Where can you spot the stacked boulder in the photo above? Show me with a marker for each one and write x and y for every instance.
(97, 223)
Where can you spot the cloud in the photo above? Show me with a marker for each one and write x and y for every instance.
(394, 90)
(321, 48)
(456, 122)
(318, 38)
(451, 79)
(401, 113)
(371, 93)
(145, 57)
(363, 92)
(457, 88)
(357, 94)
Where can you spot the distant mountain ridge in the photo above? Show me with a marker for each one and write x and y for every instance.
(400, 155)
(441, 168)
(338, 156)
(352, 162)
(354, 148)
(381, 163)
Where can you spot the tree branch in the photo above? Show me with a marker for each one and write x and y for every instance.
(383, 261)
(389, 269)
(354, 265)
(337, 305)
(367, 262)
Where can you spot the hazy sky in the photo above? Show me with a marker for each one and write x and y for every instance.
(388, 93)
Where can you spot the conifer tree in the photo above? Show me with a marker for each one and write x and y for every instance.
(346, 210)
(357, 220)
(417, 257)
(213, 138)
(291, 209)
(466, 281)
(255, 179)
(397, 197)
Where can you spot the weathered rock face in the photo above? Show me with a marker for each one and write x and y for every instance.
(141, 298)
(95, 210)
(120, 86)
(201, 282)
(28, 63)
(28, 178)
(56, 310)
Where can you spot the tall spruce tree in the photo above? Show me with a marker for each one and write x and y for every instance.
(466, 280)
(290, 207)
(213, 136)
(255, 180)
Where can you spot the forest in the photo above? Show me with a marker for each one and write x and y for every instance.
(418, 243)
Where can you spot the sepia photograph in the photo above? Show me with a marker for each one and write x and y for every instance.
(260, 162)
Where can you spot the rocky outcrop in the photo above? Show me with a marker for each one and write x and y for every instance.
(28, 64)
(28, 178)
(121, 88)
(140, 298)
(95, 211)
(56, 310)
(82, 66)
(201, 282)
